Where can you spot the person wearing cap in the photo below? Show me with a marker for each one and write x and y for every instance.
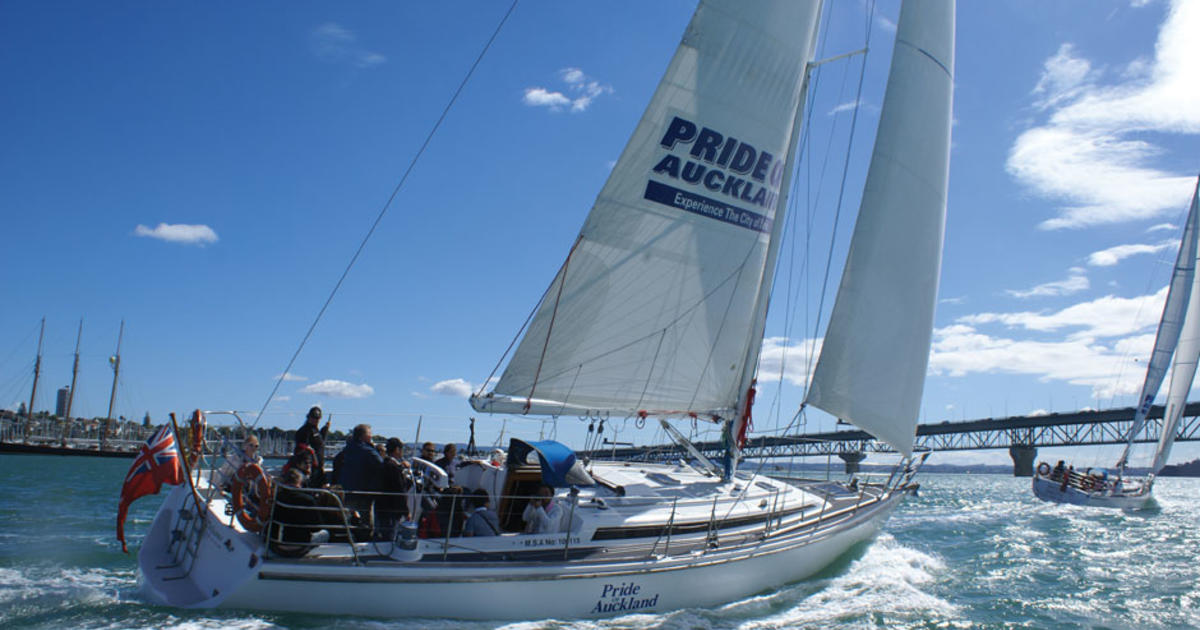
(392, 508)
(314, 437)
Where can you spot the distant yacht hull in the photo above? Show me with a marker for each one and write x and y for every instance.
(1053, 491)
(46, 449)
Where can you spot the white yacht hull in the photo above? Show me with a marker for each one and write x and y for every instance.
(229, 572)
(1054, 492)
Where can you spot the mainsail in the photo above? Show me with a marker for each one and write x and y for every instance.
(876, 349)
(1167, 338)
(1183, 370)
(656, 305)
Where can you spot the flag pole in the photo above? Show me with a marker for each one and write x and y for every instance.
(183, 460)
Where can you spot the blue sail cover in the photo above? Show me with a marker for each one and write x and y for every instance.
(560, 467)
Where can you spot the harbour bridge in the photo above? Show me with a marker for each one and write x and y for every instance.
(1021, 435)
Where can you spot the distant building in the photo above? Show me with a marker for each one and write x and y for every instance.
(60, 406)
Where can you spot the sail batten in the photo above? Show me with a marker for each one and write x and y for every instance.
(871, 371)
(662, 291)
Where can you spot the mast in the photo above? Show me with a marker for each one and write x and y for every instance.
(754, 348)
(37, 371)
(74, 378)
(115, 360)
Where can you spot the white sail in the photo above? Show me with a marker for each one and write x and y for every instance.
(656, 304)
(1183, 370)
(876, 349)
(1169, 327)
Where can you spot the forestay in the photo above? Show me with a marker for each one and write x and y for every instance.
(876, 349)
(655, 307)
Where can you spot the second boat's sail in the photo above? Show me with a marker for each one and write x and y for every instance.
(1169, 326)
(1183, 369)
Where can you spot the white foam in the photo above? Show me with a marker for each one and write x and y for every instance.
(885, 581)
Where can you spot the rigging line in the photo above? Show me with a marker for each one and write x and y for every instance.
(811, 352)
(412, 164)
(845, 170)
(537, 306)
(562, 282)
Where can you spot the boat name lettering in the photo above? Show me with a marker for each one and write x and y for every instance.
(712, 159)
(538, 542)
(623, 597)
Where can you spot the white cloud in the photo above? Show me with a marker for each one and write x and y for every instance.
(338, 389)
(282, 398)
(288, 377)
(1105, 367)
(952, 300)
(1076, 281)
(1094, 344)
(178, 233)
(781, 355)
(1093, 152)
(1162, 226)
(453, 387)
(1103, 317)
(578, 95)
(335, 43)
(541, 97)
(843, 107)
(1113, 255)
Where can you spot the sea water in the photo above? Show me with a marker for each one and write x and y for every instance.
(971, 551)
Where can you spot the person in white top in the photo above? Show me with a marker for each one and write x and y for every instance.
(543, 515)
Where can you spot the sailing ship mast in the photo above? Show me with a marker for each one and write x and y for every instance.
(115, 360)
(71, 392)
(37, 372)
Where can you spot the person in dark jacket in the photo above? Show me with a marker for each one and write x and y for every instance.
(312, 434)
(361, 470)
(449, 460)
(392, 508)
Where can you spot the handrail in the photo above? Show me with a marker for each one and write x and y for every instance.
(835, 507)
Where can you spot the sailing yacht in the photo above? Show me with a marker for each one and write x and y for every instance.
(1179, 337)
(657, 313)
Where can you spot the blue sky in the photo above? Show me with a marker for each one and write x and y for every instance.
(205, 174)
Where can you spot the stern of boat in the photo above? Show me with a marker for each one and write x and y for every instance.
(189, 558)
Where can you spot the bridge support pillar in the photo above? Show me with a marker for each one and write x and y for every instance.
(1022, 457)
(852, 458)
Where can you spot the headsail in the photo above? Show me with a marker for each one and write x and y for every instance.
(876, 349)
(1183, 370)
(1178, 296)
(656, 304)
